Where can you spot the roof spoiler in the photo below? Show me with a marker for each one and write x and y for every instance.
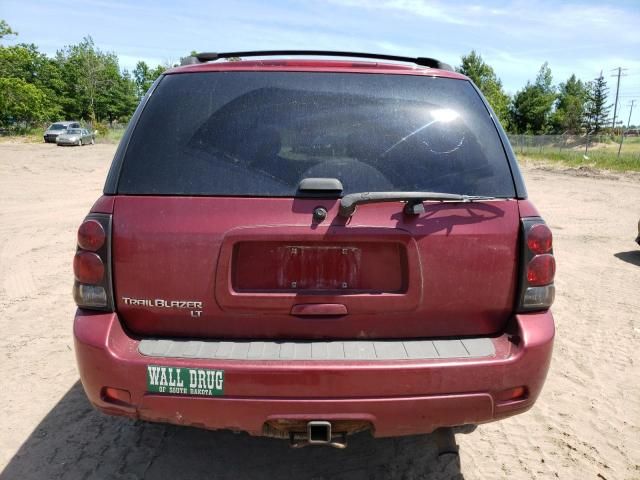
(213, 56)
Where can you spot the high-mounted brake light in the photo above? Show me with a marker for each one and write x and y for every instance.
(538, 266)
(92, 288)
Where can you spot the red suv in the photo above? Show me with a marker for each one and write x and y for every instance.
(307, 248)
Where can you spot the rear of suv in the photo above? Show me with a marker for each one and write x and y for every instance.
(307, 248)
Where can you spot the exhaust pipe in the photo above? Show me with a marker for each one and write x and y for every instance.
(318, 433)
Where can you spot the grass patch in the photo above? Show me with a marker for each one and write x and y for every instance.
(30, 135)
(570, 151)
(110, 136)
(605, 159)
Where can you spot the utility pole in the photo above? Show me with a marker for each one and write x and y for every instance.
(628, 123)
(615, 105)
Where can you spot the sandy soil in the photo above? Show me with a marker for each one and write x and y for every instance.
(585, 425)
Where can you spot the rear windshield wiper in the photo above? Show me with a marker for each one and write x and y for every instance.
(414, 200)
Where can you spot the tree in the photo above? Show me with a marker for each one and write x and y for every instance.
(5, 29)
(84, 67)
(532, 106)
(119, 101)
(597, 108)
(24, 62)
(569, 115)
(21, 102)
(81, 82)
(474, 67)
(145, 76)
(94, 86)
(141, 75)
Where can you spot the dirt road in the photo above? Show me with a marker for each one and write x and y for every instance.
(585, 425)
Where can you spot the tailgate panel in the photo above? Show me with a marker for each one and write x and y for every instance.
(451, 271)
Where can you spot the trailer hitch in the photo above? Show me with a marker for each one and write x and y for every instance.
(318, 433)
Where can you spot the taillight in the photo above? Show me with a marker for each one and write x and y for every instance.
(92, 288)
(538, 266)
(539, 238)
(88, 267)
(91, 235)
(541, 270)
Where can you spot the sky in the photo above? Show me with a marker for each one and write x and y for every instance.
(514, 36)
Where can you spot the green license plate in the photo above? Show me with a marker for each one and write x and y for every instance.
(185, 381)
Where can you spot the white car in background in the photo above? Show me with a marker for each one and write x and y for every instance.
(58, 128)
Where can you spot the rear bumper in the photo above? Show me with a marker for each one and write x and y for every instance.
(397, 397)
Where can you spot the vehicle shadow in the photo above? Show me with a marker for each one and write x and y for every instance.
(74, 441)
(632, 257)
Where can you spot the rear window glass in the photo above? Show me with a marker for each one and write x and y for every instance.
(261, 133)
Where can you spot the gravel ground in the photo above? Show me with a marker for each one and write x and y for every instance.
(585, 425)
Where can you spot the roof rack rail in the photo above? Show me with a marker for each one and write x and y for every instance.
(212, 56)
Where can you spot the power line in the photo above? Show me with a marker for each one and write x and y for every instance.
(615, 105)
(628, 123)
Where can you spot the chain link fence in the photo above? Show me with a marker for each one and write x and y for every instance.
(575, 145)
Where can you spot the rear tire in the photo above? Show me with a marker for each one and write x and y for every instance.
(80, 143)
(93, 141)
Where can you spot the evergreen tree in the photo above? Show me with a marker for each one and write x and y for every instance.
(597, 108)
